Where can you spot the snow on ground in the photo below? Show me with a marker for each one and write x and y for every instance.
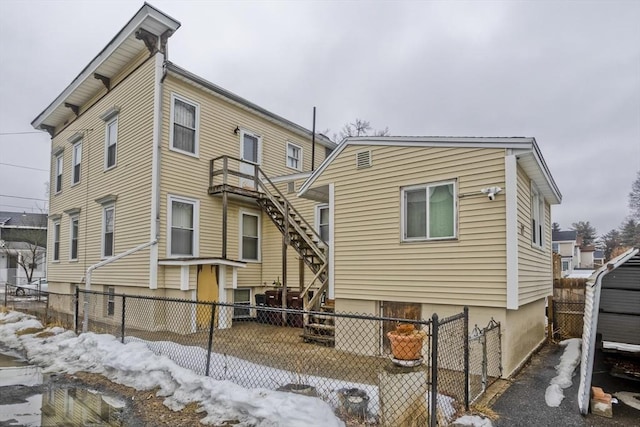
(568, 362)
(135, 365)
(473, 421)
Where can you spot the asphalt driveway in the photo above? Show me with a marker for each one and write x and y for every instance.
(523, 403)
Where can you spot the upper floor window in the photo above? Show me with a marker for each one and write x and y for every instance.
(77, 160)
(108, 228)
(294, 156)
(322, 222)
(183, 222)
(111, 143)
(74, 233)
(429, 211)
(537, 217)
(250, 236)
(56, 241)
(184, 125)
(59, 164)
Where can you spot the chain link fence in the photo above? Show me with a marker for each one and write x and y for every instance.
(352, 367)
(50, 308)
(485, 358)
(568, 317)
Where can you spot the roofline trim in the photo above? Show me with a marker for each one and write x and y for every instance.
(245, 104)
(146, 11)
(426, 141)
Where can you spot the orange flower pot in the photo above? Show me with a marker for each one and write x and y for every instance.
(406, 346)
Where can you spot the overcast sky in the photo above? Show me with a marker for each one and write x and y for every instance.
(566, 73)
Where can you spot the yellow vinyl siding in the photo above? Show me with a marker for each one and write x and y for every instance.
(534, 264)
(372, 263)
(130, 180)
(188, 176)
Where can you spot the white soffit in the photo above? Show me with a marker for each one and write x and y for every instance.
(109, 62)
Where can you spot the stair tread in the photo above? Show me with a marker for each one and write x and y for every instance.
(320, 326)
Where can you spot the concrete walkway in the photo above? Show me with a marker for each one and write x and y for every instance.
(523, 402)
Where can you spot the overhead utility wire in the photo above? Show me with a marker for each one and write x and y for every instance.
(25, 198)
(19, 133)
(24, 167)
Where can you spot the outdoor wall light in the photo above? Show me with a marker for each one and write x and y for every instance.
(236, 130)
(491, 192)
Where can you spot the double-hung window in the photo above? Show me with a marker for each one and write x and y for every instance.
(429, 211)
(241, 297)
(111, 143)
(294, 156)
(108, 228)
(56, 241)
(184, 220)
(322, 222)
(77, 160)
(59, 164)
(184, 125)
(537, 217)
(250, 236)
(74, 234)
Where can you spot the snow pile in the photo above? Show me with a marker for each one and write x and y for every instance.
(473, 421)
(568, 362)
(135, 365)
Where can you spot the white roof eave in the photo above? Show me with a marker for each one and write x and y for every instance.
(147, 17)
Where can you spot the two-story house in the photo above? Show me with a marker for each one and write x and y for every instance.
(23, 242)
(135, 205)
(567, 244)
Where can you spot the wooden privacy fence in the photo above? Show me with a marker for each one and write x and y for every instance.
(566, 308)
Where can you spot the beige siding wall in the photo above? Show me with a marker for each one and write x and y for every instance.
(130, 180)
(187, 176)
(535, 272)
(372, 263)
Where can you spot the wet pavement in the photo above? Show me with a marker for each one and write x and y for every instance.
(30, 398)
(523, 403)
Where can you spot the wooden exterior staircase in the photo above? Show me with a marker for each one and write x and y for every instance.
(297, 232)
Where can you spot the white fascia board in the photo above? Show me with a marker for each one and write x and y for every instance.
(418, 141)
(546, 173)
(511, 175)
(146, 12)
(202, 261)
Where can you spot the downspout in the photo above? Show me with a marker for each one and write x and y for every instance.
(159, 75)
(87, 277)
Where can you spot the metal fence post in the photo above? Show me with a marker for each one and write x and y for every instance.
(485, 362)
(5, 294)
(211, 324)
(77, 309)
(433, 410)
(124, 300)
(466, 358)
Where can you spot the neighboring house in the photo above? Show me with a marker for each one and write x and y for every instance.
(567, 244)
(587, 256)
(598, 258)
(133, 142)
(23, 241)
(426, 225)
(611, 318)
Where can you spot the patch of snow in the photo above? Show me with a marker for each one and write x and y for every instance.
(631, 399)
(569, 360)
(474, 421)
(28, 413)
(114, 402)
(601, 406)
(609, 345)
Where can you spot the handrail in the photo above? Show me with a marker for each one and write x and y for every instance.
(258, 179)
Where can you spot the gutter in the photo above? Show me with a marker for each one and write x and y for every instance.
(87, 277)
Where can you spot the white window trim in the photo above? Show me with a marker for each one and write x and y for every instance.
(317, 221)
(73, 163)
(59, 169)
(248, 306)
(111, 299)
(403, 190)
(300, 159)
(56, 234)
(112, 119)
(537, 241)
(240, 234)
(244, 132)
(73, 218)
(196, 145)
(196, 224)
(105, 208)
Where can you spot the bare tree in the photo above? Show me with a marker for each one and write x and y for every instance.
(27, 245)
(359, 127)
(634, 198)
